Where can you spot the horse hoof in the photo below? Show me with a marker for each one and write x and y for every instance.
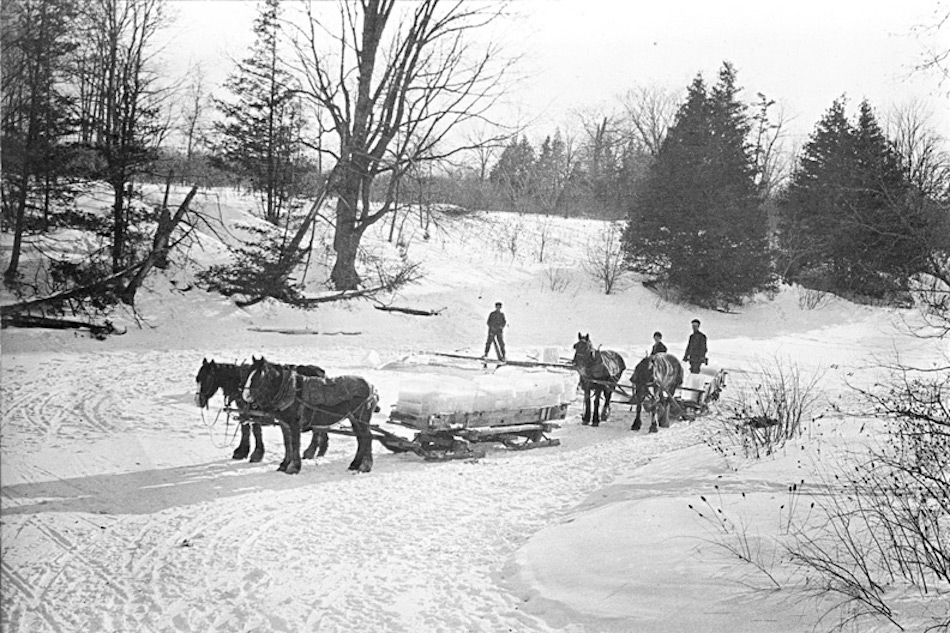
(653, 429)
(256, 457)
(595, 424)
(308, 454)
(585, 422)
(635, 427)
(282, 468)
(239, 454)
(293, 469)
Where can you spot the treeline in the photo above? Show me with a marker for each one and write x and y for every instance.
(715, 208)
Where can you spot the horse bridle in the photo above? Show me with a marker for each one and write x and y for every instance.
(202, 399)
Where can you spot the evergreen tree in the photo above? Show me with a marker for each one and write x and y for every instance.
(513, 174)
(37, 37)
(852, 204)
(551, 173)
(697, 222)
(262, 125)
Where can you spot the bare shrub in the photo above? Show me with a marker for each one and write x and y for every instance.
(604, 257)
(557, 279)
(769, 411)
(738, 540)
(888, 515)
(813, 299)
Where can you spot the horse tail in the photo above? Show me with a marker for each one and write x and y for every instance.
(667, 373)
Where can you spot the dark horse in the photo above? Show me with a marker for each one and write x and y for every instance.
(655, 381)
(599, 371)
(230, 379)
(300, 402)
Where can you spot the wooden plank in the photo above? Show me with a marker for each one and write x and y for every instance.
(493, 361)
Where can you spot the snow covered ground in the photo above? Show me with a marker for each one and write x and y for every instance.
(122, 510)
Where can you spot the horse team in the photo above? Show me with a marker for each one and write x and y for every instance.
(301, 398)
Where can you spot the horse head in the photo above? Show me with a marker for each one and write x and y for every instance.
(207, 382)
(269, 386)
(256, 379)
(583, 352)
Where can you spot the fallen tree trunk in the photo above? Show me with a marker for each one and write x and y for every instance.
(98, 330)
(412, 311)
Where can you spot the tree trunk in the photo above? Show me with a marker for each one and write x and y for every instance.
(159, 249)
(346, 243)
(13, 269)
(346, 237)
(118, 229)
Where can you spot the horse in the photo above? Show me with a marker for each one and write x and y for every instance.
(655, 380)
(599, 371)
(300, 402)
(230, 379)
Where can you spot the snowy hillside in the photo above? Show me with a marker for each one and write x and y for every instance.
(123, 511)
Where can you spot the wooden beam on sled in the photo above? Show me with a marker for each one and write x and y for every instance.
(515, 363)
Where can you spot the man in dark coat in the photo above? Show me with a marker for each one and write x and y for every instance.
(496, 326)
(696, 349)
(658, 346)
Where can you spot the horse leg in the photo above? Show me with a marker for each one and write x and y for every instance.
(608, 392)
(363, 462)
(664, 414)
(285, 432)
(596, 407)
(653, 417)
(258, 453)
(636, 422)
(245, 446)
(309, 421)
(293, 466)
(323, 442)
(585, 418)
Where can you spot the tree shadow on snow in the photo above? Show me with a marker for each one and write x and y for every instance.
(148, 491)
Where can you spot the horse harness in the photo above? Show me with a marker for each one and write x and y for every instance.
(290, 392)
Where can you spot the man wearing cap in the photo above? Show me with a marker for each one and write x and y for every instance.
(696, 349)
(496, 326)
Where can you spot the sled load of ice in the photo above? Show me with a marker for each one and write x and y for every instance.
(422, 395)
(702, 387)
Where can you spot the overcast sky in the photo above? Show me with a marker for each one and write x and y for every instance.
(582, 53)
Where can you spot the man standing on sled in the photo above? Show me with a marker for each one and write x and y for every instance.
(496, 326)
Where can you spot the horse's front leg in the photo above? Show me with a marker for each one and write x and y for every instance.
(585, 418)
(258, 453)
(596, 407)
(245, 446)
(636, 422)
(323, 442)
(285, 433)
(293, 466)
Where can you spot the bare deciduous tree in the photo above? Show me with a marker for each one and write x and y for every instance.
(922, 150)
(122, 102)
(401, 78)
(648, 111)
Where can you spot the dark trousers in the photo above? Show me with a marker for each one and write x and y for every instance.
(498, 338)
(695, 365)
